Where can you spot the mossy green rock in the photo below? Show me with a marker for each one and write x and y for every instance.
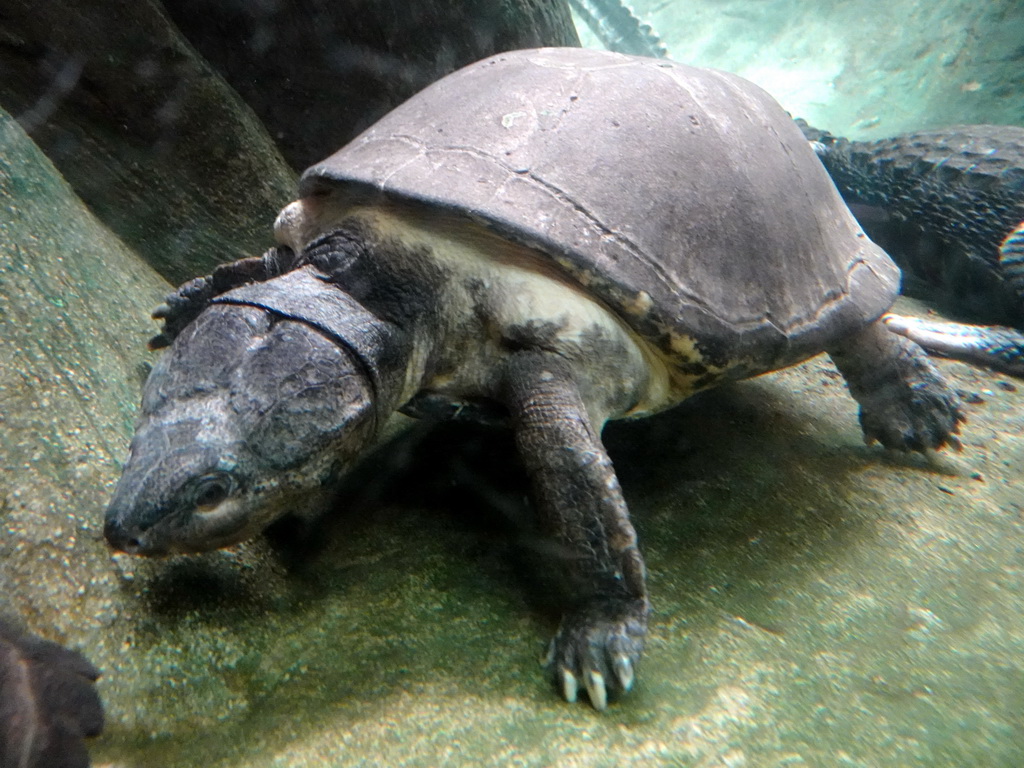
(818, 602)
(74, 303)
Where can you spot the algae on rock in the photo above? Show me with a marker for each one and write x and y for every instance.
(71, 364)
(74, 303)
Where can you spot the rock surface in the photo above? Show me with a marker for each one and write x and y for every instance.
(149, 136)
(319, 72)
(73, 308)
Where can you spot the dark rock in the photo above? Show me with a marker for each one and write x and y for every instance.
(169, 156)
(149, 136)
(318, 72)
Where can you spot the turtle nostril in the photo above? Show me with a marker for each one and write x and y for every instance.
(120, 538)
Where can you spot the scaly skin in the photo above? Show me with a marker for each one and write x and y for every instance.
(904, 402)
(944, 203)
(618, 27)
(955, 194)
(993, 346)
(577, 494)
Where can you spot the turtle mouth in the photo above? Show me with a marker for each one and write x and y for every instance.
(130, 539)
(228, 520)
(201, 530)
(127, 539)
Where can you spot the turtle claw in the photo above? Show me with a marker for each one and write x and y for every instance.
(598, 651)
(923, 414)
(181, 308)
(569, 685)
(597, 691)
(160, 341)
(190, 298)
(624, 673)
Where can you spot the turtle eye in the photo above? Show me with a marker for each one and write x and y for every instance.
(212, 489)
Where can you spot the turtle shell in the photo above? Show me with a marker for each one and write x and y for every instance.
(686, 199)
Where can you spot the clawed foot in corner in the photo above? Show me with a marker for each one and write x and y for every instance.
(597, 649)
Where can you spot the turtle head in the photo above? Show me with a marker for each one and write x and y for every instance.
(248, 416)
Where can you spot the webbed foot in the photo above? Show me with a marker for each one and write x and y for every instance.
(188, 301)
(905, 403)
(597, 649)
(181, 308)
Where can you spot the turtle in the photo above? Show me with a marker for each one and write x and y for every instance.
(948, 204)
(547, 239)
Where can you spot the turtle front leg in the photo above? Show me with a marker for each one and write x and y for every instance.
(191, 298)
(601, 635)
(904, 401)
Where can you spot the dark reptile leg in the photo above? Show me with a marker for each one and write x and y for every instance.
(578, 497)
(191, 298)
(904, 401)
(994, 346)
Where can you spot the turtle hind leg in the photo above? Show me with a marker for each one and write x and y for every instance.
(904, 401)
(601, 635)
